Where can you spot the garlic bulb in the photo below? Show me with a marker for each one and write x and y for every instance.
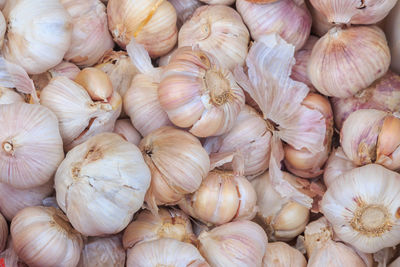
(196, 92)
(354, 11)
(45, 28)
(44, 237)
(178, 164)
(151, 22)
(251, 136)
(336, 165)
(9, 96)
(282, 218)
(165, 252)
(362, 54)
(184, 9)
(31, 146)
(383, 94)
(218, 30)
(371, 136)
(90, 35)
(3, 232)
(236, 244)
(141, 100)
(101, 184)
(125, 129)
(103, 252)
(290, 19)
(393, 35)
(13, 200)
(218, 2)
(81, 116)
(168, 223)
(362, 206)
(222, 197)
(320, 24)
(280, 254)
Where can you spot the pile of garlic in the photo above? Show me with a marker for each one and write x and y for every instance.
(243, 133)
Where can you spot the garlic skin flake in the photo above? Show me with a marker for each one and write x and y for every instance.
(31, 145)
(362, 206)
(280, 254)
(44, 237)
(101, 184)
(165, 252)
(39, 34)
(124, 128)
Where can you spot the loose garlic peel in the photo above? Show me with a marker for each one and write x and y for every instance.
(101, 184)
(125, 129)
(178, 164)
(219, 31)
(196, 92)
(3, 232)
(363, 208)
(44, 237)
(168, 223)
(280, 254)
(336, 165)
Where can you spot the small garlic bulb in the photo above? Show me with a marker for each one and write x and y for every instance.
(363, 207)
(165, 252)
(3, 232)
(251, 136)
(125, 129)
(280, 254)
(38, 35)
(234, 244)
(31, 146)
(197, 93)
(218, 30)
(345, 61)
(103, 252)
(168, 223)
(90, 35)
(282, 218)
(178, 164)
(101, 184)
(393, 35)
(336, 165)
(151, 22)
(184, 9)
(221, 198)
(13, 200)
(44, 237)
(371, 136)
(289, 18)
(9, 96)
(354, 11)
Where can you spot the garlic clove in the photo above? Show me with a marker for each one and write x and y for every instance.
(279, 254)
(336, 165)
(387, 153)
(184, 9)
(125, 128)
(3, 232)
(96, 83)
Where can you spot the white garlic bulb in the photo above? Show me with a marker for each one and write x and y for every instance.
(90, 35)
(218, 30)
(3, 232)
(9, 96)
(103, 252)
(13, 199)
(280, 254)
(101, 184)
(363, 207)
(336, 165)
(393, 35)
(184, 9)
(45, 28)
(165, 252)
(31, 145)
(125, 129)
(235, 244)
(44, 237)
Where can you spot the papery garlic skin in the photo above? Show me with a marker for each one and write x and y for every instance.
(354, 11)
(336, 165)
(9, 96)
(218, 30)
(101, 184)
(13, 200)
(44, 237)
(103, 252)
(290, 19)
(184, 9)
(280, 254)
(39, 34)
(236, 244)
(125, 129)
(362, 54)
(393, 35)
(196, 92)
(152, 23)
(178, 164)
(165, 252)
(3, 232)
(168, 223)
(282, 218)
(31, 146)
(362, 206)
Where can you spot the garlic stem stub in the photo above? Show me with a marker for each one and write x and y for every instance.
(363, 207)
(31, 145)
(101, 184)
(347, 60)
(279, 254)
